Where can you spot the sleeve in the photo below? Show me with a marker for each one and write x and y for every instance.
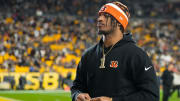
(80, 81)
(144, 79)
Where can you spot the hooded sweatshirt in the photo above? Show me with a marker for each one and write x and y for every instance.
(128, 74)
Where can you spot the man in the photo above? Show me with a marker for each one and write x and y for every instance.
(115, 69)
(167, 78)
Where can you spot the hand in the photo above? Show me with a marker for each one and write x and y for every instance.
(83, 97)
(103, 98)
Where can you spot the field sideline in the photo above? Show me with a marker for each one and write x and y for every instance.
(44, 95)
(40, 95)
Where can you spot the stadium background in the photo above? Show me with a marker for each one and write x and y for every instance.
(42, 42)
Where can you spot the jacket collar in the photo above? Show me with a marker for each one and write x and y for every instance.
(127, 38)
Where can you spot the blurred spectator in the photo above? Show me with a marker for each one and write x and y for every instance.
(167, 78)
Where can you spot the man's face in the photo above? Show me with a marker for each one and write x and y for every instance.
(104, 24)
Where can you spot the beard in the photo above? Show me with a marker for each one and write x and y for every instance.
(102, 32)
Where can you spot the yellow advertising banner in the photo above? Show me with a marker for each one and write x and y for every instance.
(49, 80)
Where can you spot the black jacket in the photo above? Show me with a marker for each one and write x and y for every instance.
(133, 79)
(167, 78)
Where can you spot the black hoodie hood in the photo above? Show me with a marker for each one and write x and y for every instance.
(126, 39)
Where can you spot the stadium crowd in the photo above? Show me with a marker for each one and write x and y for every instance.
(141, 9)
(43, 36)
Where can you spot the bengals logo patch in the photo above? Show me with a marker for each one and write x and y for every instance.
(103, 9)
(114, 64)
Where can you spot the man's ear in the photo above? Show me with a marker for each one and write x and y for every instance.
(121, 27)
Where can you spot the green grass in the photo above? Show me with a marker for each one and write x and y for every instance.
(42, 95)
(57, 95)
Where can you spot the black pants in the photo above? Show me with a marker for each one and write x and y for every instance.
(178, 90)
(174, 89)
(166, 92)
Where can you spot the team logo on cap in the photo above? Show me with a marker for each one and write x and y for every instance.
(114, 64)
(103, 8)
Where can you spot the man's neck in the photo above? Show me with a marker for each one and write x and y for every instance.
(112, 38)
